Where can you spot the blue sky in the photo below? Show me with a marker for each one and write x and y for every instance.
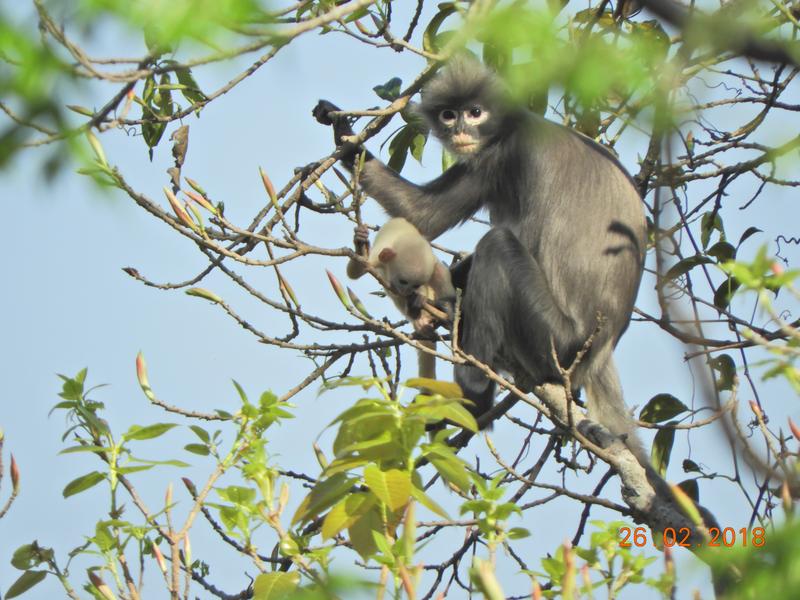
(66, 302)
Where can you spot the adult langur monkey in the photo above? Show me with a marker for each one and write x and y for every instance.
(567, 240)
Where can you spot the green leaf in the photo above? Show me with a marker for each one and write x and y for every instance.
(429, 36)
(83, 483)
(198, 449)
(240, 391)
(726, 368)
(128, 470)
(390, 90)
(347, 512)
(426, 501)
(237, 494)
(191, 91)
(25, 582)
(722, 251)
(322, 496)
(148, 432)
(88, 448)
(382, 543)
(662, 448)
(451, 468)
(201, 433)
(448, 389)
(684, 266)
(202, 293)
(724, 293)
(418, 146)
(275, 586)
(747, 233)
(392, 487)
(709, 222)
(25, 557)
(399, 147)
(361, 531)
(662, 407)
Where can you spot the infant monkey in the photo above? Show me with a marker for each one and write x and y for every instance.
(405, 260)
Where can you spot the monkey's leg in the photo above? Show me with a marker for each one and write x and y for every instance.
(508, 305)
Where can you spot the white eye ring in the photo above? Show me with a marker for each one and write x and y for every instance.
(448, 116)
(476, 115)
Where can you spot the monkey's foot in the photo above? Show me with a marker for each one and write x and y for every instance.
(596, 433)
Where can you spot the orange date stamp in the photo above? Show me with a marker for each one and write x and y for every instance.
(681, 537)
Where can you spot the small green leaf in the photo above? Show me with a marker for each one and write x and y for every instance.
(747, 233)
(392, 487)
(346, 512)
(202, 293)
(275, 586)
(684, 266)
(198, 449)
(448, 389)
(518, 533)
(25, 582)
(724, 293)
(662, 448)
(191, 91)
(201, 433)
(726, 368)
(662, 407)
(83, 483)
(418, 146)
(429, 36)
(74, 449)
(452, 470)
(722, 251)
(25, 557)
(390, 90)
(426, 501)
(708, 223)
(322, 496)
(399, 147)
(361, 532)
(148, 432)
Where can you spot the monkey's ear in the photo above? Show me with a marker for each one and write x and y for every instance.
(387, 255)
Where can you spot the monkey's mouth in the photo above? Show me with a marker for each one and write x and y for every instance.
(465, 147)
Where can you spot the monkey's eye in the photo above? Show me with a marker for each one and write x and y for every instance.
(402, 282)
(475, 112)
(447, 116)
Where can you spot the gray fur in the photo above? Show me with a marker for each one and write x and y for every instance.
(567, 241)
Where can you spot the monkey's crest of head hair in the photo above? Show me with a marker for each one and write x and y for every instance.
(461, 82)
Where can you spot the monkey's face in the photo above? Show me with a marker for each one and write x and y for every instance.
(408, 271)
(460, 128)
(408, 281)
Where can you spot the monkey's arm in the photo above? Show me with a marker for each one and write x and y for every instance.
(433, 208)
(356, 269)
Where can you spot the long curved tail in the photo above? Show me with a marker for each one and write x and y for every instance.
(426, 363)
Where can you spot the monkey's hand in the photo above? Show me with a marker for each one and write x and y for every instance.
(341, 129)
(361, 240)
(448, 307)
(341, 126)
(459, 272)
